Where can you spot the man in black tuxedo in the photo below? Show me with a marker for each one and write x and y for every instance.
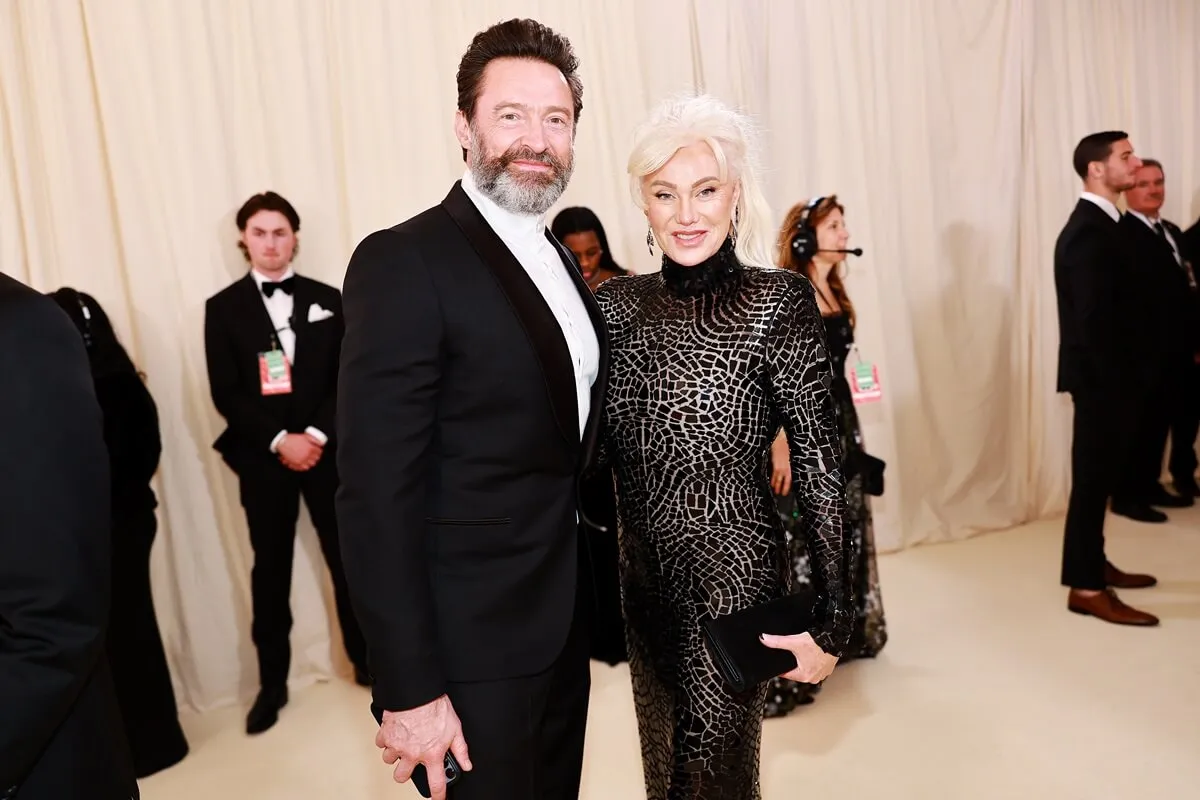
(1173, 394)
(472, 377)
(273, 340)
(61, 736)
(1102, 364)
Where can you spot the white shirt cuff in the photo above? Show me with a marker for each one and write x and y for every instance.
(278, 438)
(317, 434)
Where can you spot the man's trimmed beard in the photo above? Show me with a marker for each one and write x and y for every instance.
(529, 193)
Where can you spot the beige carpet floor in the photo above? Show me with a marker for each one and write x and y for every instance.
(987, 690)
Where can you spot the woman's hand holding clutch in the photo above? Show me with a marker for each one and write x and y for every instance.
(813, 664)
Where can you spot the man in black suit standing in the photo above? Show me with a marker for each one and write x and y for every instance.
(1173, 395)
(472, 376)
(272, 341)
(1102, 364)
(61, 736)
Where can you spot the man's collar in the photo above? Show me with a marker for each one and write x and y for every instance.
(260, 279)
(1106, 205)
(503, 221)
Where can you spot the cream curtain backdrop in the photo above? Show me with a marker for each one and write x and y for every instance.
(131, 130)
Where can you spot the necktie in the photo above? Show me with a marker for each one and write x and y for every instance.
(1158, 228)
(285, 285)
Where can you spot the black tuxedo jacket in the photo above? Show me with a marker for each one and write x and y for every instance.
(460, 456)
(1175, 317)
(237, 328)
(1191, 244)
(1102, 308)
(61, 736)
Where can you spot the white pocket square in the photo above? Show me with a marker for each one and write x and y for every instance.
(316, 313)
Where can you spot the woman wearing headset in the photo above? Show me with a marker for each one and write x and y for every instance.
(813, 241)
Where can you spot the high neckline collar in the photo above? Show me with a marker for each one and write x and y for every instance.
(719, 269)
(503, 221)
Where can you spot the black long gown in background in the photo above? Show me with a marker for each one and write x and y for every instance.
(134, 646)
(870, 626)
(606, 624)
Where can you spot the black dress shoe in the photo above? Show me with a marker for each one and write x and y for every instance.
(1139, 512)
(362, 676)
(265, 711)
(1187, 487)
(1164, 499)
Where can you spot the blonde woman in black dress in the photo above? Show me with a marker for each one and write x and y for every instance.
(709, 357)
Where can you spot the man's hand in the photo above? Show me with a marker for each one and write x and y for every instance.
(422, 736)
(813, 664)
(299, 451)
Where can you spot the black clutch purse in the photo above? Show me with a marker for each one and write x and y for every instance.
(871, 469)
(733, 644)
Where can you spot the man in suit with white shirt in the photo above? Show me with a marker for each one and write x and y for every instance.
(471, 385)
(1102, 364)
(273, 341)
(1173, 407)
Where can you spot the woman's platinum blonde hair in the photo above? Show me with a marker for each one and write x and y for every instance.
(687, 119)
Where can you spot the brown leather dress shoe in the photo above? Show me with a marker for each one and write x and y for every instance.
(1127, 580)
(1108, 607)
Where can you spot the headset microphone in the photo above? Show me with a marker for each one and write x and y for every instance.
(857, 251)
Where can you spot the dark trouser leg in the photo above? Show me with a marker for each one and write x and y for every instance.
(1092, 456)
(1185, 424)
(1141, 472)
(319, 486)
(525, 735)
(562, 709)
(271, 497)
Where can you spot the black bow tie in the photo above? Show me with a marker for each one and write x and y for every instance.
(285, 285)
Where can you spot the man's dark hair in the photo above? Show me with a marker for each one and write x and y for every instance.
(1153, 162)
(267, 201)
(1095, 147)
(516, 38)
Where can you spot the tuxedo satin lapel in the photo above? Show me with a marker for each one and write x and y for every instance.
(541, 327)
(256, 312)
(595, 413)
(302, 298)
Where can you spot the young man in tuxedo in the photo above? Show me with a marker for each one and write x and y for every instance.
(61, 736)
(273, 341)
(1102, 364)
(1173, 396)
(473, 372)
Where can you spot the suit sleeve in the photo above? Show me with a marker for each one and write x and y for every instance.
(801, 380)
(54, 529)
(325, 420)
(1094, 286)
(386, 413)
(244, 414)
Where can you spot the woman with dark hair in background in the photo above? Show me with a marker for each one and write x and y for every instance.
(580, 230)
(810, 239)
(135, 648)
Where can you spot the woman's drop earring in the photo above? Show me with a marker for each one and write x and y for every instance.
(650, 240)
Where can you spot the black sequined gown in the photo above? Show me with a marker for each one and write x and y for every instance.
(707, 363)
(869, 634)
